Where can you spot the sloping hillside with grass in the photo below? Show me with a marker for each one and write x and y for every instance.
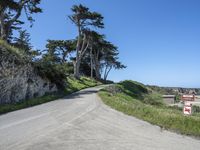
(133, 98)
(73, 85)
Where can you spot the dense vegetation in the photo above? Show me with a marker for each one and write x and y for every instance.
(137, 100)
(88, 54)
(73, 85)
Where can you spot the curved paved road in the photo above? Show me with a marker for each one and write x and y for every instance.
(82, 122)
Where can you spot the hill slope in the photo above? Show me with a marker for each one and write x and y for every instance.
(137, 100)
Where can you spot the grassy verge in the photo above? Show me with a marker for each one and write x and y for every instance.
(134, 102)
(13, 50)
(73, 85)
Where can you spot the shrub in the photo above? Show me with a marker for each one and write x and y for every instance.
(133, 89)
(52, 72)
(113, 89)
(11, 50)
(154, 99)
(195, 109)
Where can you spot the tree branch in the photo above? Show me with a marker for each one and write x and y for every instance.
(108, 72)
(21, 5)
(83, 44)
(85, 49)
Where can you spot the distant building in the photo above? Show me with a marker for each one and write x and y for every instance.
(192, 92)
(169, 99)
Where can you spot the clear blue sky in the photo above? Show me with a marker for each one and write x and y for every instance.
(158, 40)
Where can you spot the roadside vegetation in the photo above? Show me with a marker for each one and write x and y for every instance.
(63, 62)
(72, 86)
(135, 99)
(89, 53)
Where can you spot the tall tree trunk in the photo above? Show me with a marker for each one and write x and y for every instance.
(97, 64)
(77, 63)
(81, 49)
(5, 26)
(97, 69)
(107, 71)
(91, 63)
(3, 35)
(77, 69)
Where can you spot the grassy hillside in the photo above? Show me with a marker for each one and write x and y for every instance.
(135, 99)
(73, 85)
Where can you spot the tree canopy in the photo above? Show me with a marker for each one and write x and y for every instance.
(89, 53)
(10, 12)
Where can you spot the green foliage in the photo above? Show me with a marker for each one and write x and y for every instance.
(23, 42)
(11, 11)
(195, 109)
(83, 17)
(54, 72)
(177, 98)
(53, 64)
(151, 109)
(58, 50)
(13, 51)
(154, 99)
(113, 89)
(133, 88)
(74, 84)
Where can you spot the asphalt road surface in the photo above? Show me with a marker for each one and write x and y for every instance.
(82, 122)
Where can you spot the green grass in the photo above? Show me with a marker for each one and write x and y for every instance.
(76, 85)
(13, 50)
(133, 104)
(73, 85)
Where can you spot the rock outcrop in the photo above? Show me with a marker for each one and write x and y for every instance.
(19, 80)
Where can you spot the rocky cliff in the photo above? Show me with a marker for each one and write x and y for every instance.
(19, 80)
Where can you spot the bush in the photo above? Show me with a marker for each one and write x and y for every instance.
(195, 109)
(52, 72)
(11, 50)
(154, 99)
(177, 98)
(113, 89)
(133, 89)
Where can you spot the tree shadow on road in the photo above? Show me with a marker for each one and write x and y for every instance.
(79, 94)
